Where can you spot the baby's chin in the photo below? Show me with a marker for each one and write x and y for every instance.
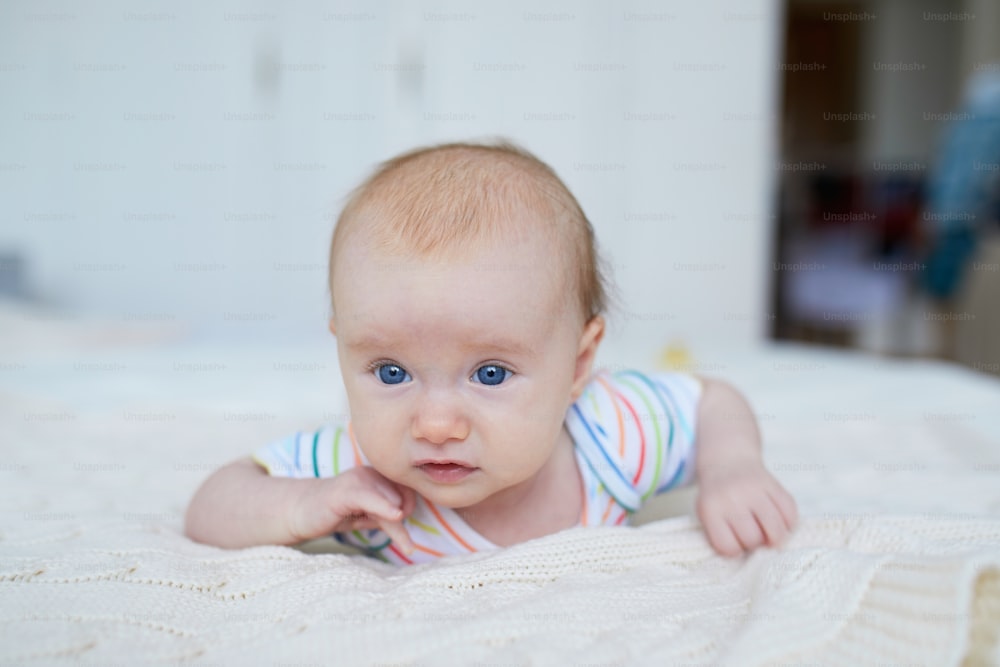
(453, 496)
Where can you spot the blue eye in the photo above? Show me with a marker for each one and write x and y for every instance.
(391, 374)
(492, 374)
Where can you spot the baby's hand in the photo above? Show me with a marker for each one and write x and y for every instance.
(742, 507)
(357, 499)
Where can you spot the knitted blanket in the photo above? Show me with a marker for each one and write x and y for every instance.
(850, 591)
(896, 559)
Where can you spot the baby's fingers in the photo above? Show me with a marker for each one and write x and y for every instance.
(409, 500)
(772, 522)
(747, 530)
(399, 535)
(721, 537)
(390, 517)
(786, 505)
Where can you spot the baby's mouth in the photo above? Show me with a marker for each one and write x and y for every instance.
(447, 471)
(443, 463)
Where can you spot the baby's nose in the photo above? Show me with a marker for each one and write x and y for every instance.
(440, 418)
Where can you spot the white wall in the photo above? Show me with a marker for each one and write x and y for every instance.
(186, 162)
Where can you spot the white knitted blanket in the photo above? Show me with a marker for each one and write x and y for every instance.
(896, 560)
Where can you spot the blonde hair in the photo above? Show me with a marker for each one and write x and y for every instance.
(451, 197)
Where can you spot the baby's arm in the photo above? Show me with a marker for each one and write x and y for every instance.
(740, 504)
(240, 505)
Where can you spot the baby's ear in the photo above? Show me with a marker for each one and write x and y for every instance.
(591, 338)
(332, 326)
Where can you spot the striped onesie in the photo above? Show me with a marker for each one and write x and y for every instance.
(633, 436)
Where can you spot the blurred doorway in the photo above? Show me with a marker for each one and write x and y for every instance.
(871, 92)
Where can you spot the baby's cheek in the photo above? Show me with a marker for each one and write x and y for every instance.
(525, 453)
(380, 440)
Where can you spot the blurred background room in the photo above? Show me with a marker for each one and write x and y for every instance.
(889, 180)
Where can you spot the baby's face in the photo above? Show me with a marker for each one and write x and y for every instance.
(470, 360)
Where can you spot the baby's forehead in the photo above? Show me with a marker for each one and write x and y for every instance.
(438, 298)
(520, 254)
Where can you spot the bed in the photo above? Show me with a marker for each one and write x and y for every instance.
(108, 427)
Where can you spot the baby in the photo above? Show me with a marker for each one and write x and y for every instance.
(467, 306)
